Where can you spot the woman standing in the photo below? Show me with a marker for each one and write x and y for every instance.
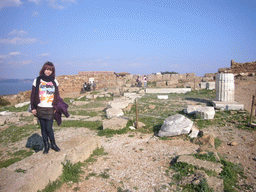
(44, 97)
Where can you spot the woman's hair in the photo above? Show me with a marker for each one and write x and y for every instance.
(48, 65)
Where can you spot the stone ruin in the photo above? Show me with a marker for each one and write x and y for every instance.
(225, 93)
(243, 69)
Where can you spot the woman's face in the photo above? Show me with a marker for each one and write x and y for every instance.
(48, 72)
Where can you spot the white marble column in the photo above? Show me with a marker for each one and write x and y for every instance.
(225, 87)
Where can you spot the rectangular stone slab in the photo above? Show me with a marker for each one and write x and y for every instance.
(42, 168)
(168, 90)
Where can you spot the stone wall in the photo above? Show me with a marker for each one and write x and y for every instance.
(109, 79)
(244, 69)
(74, 83)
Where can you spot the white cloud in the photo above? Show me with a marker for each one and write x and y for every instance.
(26, 62)
(19, 41)
(10, 3)
(14, 53)
(60, 4)
(44, 55)
(35, 1)
(19, 63)
(19, 33)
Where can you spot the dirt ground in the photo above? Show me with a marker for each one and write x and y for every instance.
(140, 162)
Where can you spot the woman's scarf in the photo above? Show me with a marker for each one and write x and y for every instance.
(47, 78)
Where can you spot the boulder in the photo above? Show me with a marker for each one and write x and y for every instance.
(115, 123)
(175, 125)
(114, 112)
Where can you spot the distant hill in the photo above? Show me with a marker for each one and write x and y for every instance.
(16, 80)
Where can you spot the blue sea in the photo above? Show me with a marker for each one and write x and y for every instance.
(14, 88)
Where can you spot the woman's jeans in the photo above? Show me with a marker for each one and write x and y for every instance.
(46, 129)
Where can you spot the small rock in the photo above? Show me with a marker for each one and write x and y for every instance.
(151, 106)
(233, 143)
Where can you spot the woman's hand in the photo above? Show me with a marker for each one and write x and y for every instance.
(34, 111)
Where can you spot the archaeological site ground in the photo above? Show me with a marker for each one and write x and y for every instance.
(110, 142)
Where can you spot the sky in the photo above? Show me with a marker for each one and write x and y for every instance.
(134, 36)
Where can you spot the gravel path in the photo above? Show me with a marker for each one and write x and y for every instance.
(136, 163)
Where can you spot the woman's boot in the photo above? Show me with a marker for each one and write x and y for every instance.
(46, 147)
(54, 146)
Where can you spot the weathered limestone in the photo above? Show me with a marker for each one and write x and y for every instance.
(115, 123)
(162, 96)
(22, 104)
(75, 149)
(175, 125)
(201, 112)
(191, 109)
(114, 112)
(203, 85)
(168, 90)
(79, 103)
(194, 132)
(225, 87)
(210, 85)
(205, 112)
(201, 163)
(120, 103)
(225, 93)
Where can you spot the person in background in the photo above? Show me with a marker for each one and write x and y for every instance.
(44, 96)
(145, 81)
(93, 85)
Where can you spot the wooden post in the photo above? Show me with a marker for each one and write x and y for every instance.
(137, 115)
(252, 109)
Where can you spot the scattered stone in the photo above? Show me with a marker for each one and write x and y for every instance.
(191, 109)
(200, 163)
(140, 124)
(116, 123)
(22, 104)
(131, 127)
(5, 113)
(79, 103)
(141, 91)
(233, 143)
(151, 106)
(175, 125)
(162, 96)
(207, 140)
(113, 112)
(194, 132)
(119, 103)
(128, 108)
(205, 112)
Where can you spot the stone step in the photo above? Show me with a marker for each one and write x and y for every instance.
(42, 168)
(201, 163)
